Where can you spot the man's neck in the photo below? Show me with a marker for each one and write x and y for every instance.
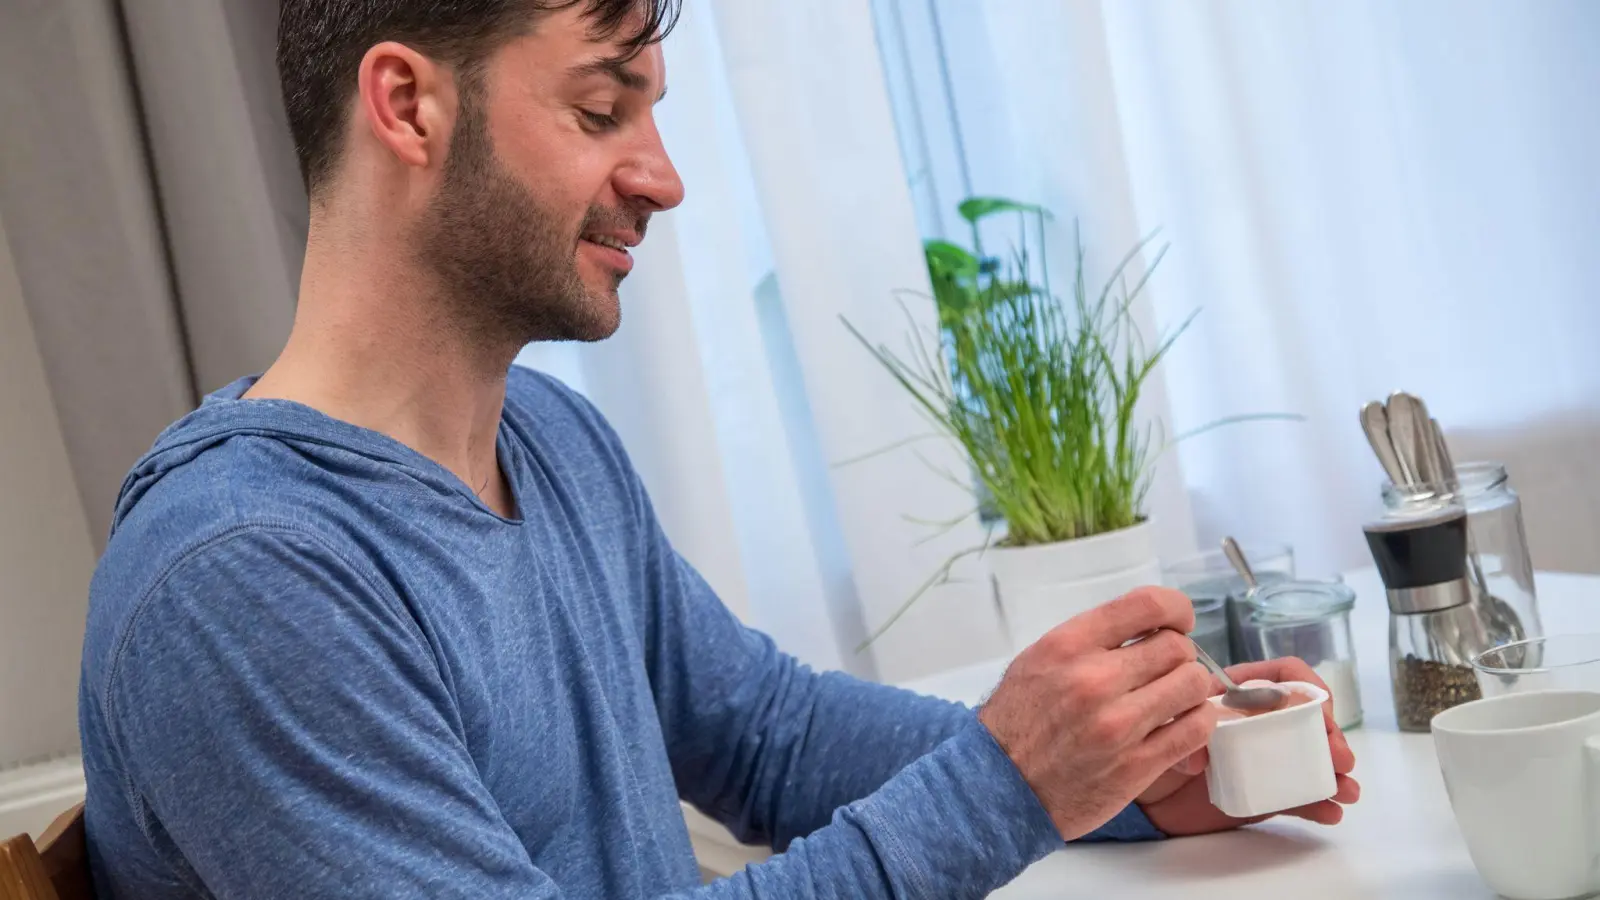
(374, 347)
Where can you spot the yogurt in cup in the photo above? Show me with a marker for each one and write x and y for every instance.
(1267, 762)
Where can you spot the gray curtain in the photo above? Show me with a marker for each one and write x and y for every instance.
(153, 209)
(152, 224)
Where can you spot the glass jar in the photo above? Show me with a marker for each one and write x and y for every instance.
(1499, 566)
(1211, 628)
(1310, 620)
(1430, 661)
(1562, 662)
(1211, 583)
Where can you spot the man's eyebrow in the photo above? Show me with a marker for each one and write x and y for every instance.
(615, 69)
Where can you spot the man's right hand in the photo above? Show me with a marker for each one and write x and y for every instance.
(1091, 723)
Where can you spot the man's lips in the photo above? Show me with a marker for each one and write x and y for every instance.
(611, 239)
(612, 251)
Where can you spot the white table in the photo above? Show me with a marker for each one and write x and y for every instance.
(1400, 841)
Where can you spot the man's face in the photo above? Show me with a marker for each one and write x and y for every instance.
(554, 168)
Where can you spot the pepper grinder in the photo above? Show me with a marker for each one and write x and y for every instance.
(1434, 628)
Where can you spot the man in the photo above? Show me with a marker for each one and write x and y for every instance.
(391, 622)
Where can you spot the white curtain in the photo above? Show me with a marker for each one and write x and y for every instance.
(1360, 196)
(1365, 196)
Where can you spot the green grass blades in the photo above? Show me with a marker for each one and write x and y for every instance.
(1041, 397)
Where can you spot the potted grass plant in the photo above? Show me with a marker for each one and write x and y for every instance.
(1041, 394)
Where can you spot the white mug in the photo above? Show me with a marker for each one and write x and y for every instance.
(1523, 775)
(1273, 761)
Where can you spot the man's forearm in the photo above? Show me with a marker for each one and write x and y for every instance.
(959, 822)
(860, 734)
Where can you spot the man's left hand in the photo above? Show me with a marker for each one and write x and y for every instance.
(1179, 804)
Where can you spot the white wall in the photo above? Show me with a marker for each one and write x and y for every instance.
(46, 555)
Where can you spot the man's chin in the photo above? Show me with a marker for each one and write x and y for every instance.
(602, 330)
(601, 318)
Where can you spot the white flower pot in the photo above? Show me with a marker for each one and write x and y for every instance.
(1039, 587)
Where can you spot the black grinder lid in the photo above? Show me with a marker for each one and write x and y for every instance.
(1418, 552)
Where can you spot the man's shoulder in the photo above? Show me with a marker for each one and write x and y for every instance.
(538, 394)
(247, 484)
(243, 480)
(543, 411)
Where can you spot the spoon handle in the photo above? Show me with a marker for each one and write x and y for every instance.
(1209, 663)
(1230, 549)
(1375, 423)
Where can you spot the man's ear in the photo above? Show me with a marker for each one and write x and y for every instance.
(408, 102)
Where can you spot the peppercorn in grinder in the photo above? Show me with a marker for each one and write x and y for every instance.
(1434, 628)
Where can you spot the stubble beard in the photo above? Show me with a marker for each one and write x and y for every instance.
(506, 265)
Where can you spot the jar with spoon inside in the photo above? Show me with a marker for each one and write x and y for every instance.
(1216, 587)
(1310, 620)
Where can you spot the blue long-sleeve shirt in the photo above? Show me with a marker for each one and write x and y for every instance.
(317, 666)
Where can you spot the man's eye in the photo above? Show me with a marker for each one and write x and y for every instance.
(600, 121)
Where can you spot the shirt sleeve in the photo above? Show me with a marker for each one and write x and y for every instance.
(957, 823)
(772, 749)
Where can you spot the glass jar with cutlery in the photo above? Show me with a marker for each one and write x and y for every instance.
(1424, 481)
(1500, 568)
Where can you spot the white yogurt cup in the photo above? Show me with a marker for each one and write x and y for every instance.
(1273, 761)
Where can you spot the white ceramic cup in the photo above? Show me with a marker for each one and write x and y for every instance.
(1273, 761)
(1523, 775)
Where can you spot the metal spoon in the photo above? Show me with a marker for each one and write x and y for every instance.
(1405, 432)
(1230, 549)
(1237, 697)
(1500, 618)
(1234, 696)
(1429, 458)
(1375, 424)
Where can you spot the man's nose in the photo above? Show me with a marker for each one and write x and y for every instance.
(650, 180)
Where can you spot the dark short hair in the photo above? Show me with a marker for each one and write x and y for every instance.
(321, 43)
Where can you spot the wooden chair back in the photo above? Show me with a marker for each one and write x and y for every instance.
(56, 868)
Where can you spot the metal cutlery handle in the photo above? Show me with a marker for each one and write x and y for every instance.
(1375, 424)
(1230, 549)
(1405, 432)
